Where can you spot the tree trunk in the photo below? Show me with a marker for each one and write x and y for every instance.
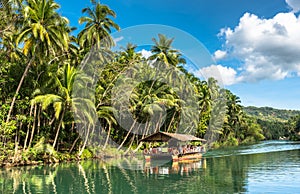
(33, 127)
(18, 89)
(58, 127)
(28, 127)
(39, 120)
(129, 147)
(17, 142)
(170, 124)
(85, 141)
(108, 134)
(74, 143)
(144, 134)
(157, 127)
(128, 133)
(71, 132)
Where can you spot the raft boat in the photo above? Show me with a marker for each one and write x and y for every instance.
(178, 149)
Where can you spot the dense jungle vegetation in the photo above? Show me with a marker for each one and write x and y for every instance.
(40, 116)
(276, 123)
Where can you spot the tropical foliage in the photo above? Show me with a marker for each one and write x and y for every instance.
(276, 123)
(40, 64)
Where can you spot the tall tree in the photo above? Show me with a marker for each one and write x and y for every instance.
(162, 51)
(43, 35)
(62, 99)
(98, 26)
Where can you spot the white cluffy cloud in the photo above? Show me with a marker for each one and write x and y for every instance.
(267, 48)
(218, 55)
(224, 75)
(145, 53)
(294, 4)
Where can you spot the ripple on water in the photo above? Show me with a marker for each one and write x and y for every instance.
(262, 147)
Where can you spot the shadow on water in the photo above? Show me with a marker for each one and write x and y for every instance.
(236, 171)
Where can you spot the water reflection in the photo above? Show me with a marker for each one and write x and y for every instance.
(277, 172)
(168, 167)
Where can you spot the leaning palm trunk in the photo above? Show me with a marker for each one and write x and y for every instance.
(74, 143)
(157, 127)
(58, 127)
(108, 134)
(28, 127)
(18, 89)
(33, 126)
(129, 147)
(170, 124)
(86, 139)
(128, 133)
(144, 134)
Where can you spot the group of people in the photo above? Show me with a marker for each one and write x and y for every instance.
(190, 149)
(181, 149)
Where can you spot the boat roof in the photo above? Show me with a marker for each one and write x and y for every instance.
(164, 137)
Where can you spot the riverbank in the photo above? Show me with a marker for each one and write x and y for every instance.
(30, 157)
(269, 166)
(41, 155)
(47, 155)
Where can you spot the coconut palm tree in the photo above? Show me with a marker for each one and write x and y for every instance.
(97, 26)
(205, 100)
(61, 100)
(163, 51)
(106, 113)
(129, 56)
(8, 26)
(43, 34)
(234, 110)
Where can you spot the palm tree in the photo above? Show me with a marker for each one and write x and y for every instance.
(129, 56)
(233, 116)
(8, 26)
(106, 113)
(234, 109)
(97, 26)
(62, 100)
(163, 51)
(205, 98)
(43, 35)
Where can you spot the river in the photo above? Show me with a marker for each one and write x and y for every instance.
(267, 167)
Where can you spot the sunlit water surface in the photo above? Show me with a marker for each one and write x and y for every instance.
(267, 167)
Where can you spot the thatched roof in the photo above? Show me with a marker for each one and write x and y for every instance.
(164, 137)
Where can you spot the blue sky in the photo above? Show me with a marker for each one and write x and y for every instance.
(255, 43)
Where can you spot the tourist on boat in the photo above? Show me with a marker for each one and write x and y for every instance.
(159, 149)
(192, 148)
(180, 149)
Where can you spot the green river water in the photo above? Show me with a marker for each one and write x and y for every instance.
(267, 167)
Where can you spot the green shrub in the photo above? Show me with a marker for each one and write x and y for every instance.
(249, 140)
(231, 141)
(86, 154)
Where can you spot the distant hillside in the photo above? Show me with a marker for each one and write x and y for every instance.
(270, 114)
